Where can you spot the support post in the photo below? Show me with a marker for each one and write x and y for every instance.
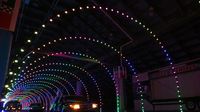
(5, 47)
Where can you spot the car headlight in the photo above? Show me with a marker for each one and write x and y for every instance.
(94, 105)
(75, 106)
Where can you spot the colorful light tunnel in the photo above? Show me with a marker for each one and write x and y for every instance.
(47, 69)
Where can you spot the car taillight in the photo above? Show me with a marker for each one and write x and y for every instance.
(75, 106)
(94, 105)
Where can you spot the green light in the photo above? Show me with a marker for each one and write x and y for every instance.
(118, 104)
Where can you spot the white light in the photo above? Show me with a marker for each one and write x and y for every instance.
(3, 100)
(73, 9)
(58, 15)
(87, 7)
(16, 61)
(29, 41)
(6, 86)
(66, 12)
(10, 73)
(50, 20)
(43, 25)
(22, 50)
(35, 32)
(80, 8)
(94, 106)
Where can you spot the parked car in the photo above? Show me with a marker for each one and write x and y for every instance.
(75, 104)
(36, 107)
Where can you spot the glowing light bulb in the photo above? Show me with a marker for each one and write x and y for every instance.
(16, 61)
(35, 32)
(10, 73)
(6, 86)
(29, 41)
(43, 26)
(22, 50)
(58, 15)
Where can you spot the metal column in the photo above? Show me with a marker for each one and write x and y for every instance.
(5, 47)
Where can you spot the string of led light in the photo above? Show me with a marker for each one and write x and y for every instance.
(42, 82)
(69, 65)
(85, 88)
(123, 14)
(49, 75)
(31, 83)
(69, 73)
(93, 40)
(63, 64)
(75, 76)
(48, 94)
(101, 43)
(76, 54)
(45, 95)
(41, 96)
(48, 79)
(39, 89)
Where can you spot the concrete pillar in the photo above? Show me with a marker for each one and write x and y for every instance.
(5, 47)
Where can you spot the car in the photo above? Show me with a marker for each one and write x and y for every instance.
(79, 104)
(66, 103)
(36, 107)
(13, 106)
